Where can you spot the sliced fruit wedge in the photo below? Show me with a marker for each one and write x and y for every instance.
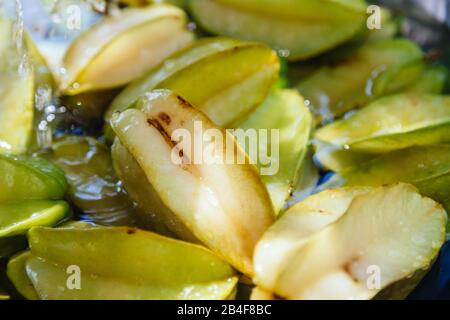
(120, 263)
(338, 159)
(16, 112)
(350, 245)
(428, 168)
(93, 185)
(228, 96)
(43, 76)
(313, 27)
(295, 227)
(16, 217)
(392, 123)
(221, 202)
(152, 212)
(373, 70)
(287, 124)
(120, 48)
(24, 178)
(307, 183)
(17, 274)
(12, 55)
(16, 92)
(432, 80)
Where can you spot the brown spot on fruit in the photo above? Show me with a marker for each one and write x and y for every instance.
(157, 125)
(131, 231)
(348, 268)
(183, 102)
(165, 118)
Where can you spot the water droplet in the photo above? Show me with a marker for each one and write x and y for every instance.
(50, 117)
(192, 26)
(44, 135)
(284, 53)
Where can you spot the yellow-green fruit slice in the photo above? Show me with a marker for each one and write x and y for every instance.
(24, 178)
(198, 74)
(350, 246)
(432, 80)
(20, 48)
(123, 263)
(286, 123)
(428, 168)
(373, 70)
(221, 202)
(120, 48)
(294, 228)
(17, 274)
(392, 123)
(43, 76)
(305, 28)
(16, 111)
(306, 185)
(336, 158)
(93, 185)
(17, 217)
(152, 212)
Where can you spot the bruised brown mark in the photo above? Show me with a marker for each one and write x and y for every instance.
(165, 118)
(347, 268)
(183, 102)
(131, 231)
(157, 125)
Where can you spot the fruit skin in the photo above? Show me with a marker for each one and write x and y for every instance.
(94, 187)
(283, 110)
(373, 70)
(313, 28)
(228, 97)
(235, 206)
(314, 254)
(164, 270)
(27, 178)
(90, 63)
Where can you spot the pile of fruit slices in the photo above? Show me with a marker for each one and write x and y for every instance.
(128, 218)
